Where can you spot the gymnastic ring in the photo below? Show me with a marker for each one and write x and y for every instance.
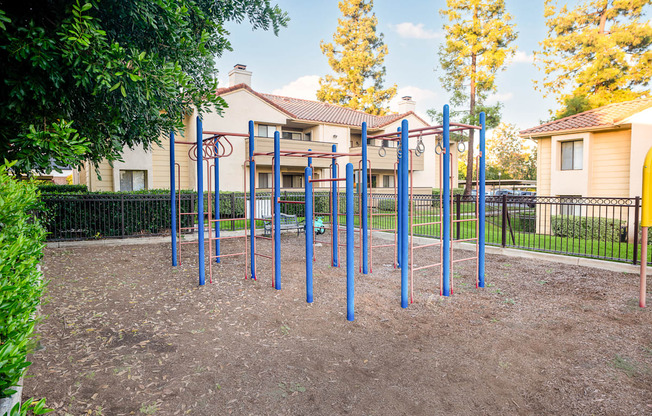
(399, 153)
(438, 149)
(461, 148)
(382, 152)
(421, 147)
(417, 153)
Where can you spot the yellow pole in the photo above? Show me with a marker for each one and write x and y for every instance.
(646, 221)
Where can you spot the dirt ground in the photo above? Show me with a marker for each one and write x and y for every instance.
(127, 334)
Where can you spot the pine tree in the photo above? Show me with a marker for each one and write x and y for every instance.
(478, 37)
(356, 56)
(599, 50)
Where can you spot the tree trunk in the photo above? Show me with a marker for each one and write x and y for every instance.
(470, 159)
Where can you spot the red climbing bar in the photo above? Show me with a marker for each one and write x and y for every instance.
(466, 259)
(426, 267)
(328, 180)
(466, 239)
(427, 245)
(220, 133)
(280, 201)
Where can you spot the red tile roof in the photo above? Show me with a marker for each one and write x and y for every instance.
(607, 116)
(317, 111)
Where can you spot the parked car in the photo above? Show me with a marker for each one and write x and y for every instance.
(501, 192)
(529, 198)
(473, 193)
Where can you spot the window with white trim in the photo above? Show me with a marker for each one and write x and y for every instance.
(265, 130)
(572, 155)
(292, 181)
(264, 180)
(133, 180)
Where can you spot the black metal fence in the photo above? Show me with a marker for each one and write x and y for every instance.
(120, 215)
(600, 228)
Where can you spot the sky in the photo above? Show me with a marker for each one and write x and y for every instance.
(291, 63)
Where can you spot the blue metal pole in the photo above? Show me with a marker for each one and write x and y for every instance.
(173, 200)
(363, 207)
(309, 233)
(200, 202)
(277, 211)
(350, 257)
(252, 201)
(481, 199)
(399, 196)
(217, 207)
(334, 210)
(310, 159)
(405, 163)
(445, 215)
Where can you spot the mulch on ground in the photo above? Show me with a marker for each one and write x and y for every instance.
(127, 334)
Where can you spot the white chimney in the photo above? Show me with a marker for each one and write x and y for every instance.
(239, 75)
(406, 105)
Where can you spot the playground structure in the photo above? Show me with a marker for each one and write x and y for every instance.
(218, 145)
(405, 201)
(646, 221)
(308, 204)
(209, 150)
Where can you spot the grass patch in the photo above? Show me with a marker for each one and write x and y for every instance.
(626, 365)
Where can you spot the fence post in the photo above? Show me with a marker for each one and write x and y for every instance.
(503, 226)
(122, 214)
(637, 203)
(233, 211)
(458, 206)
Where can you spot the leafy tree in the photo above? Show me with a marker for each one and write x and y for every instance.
(80, 81)
(599, 50)
(356, 56)
(573, 105)
(478, 38)
(509, 153)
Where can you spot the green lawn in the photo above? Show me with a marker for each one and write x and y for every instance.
(493, 235)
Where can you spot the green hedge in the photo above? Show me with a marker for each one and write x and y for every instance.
(21, 286)
(321, 203)
(114, 214)
(62, 189)
(603, 229)
(386, 205)
(456, 191)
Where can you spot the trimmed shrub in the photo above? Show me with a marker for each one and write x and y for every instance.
(525, 222)
(455, 191)
(321, 203)
(603, 229)
(21, 286)
(62, 189)
(386, 205)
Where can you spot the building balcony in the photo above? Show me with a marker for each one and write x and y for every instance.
(266, 144)
(383, 163)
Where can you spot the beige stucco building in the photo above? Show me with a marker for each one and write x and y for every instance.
(302, 124)
(597, 153)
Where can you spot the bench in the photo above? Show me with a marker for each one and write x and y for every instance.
(288, 222)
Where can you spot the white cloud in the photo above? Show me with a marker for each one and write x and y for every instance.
(424, 98)
(414, 31)
(522, 57)
(494, 98)
(303, 87)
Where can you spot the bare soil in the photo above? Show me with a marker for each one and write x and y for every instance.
(127, 334)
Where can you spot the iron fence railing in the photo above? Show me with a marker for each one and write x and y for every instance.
(600, 228)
